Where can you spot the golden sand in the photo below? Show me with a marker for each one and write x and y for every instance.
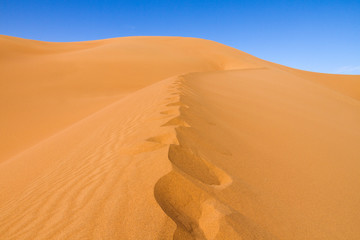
(173, 138)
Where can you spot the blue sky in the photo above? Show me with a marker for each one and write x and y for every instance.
(321, 36)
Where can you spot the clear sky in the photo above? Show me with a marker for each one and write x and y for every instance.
(322, 36)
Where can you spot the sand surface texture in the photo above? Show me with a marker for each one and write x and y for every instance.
(173, 138)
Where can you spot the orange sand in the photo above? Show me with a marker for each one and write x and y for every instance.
(173, 138)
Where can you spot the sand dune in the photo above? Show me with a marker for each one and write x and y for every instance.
(173, 138)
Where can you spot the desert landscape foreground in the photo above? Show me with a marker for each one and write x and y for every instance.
(173, 138)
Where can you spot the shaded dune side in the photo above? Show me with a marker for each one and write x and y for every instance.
(345, 84)
(188, 194)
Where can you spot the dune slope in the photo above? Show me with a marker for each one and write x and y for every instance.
(173, 138)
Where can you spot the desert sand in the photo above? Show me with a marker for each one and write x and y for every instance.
(173, 138)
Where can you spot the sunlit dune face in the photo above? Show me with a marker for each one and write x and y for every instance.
(173, 138)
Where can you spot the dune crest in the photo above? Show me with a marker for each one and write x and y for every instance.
(186, 194)
(173, 138)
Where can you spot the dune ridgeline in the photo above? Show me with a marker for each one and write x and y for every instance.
(173, 138)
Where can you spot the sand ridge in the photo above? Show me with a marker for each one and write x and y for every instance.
(173, 138)
(181, 193)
